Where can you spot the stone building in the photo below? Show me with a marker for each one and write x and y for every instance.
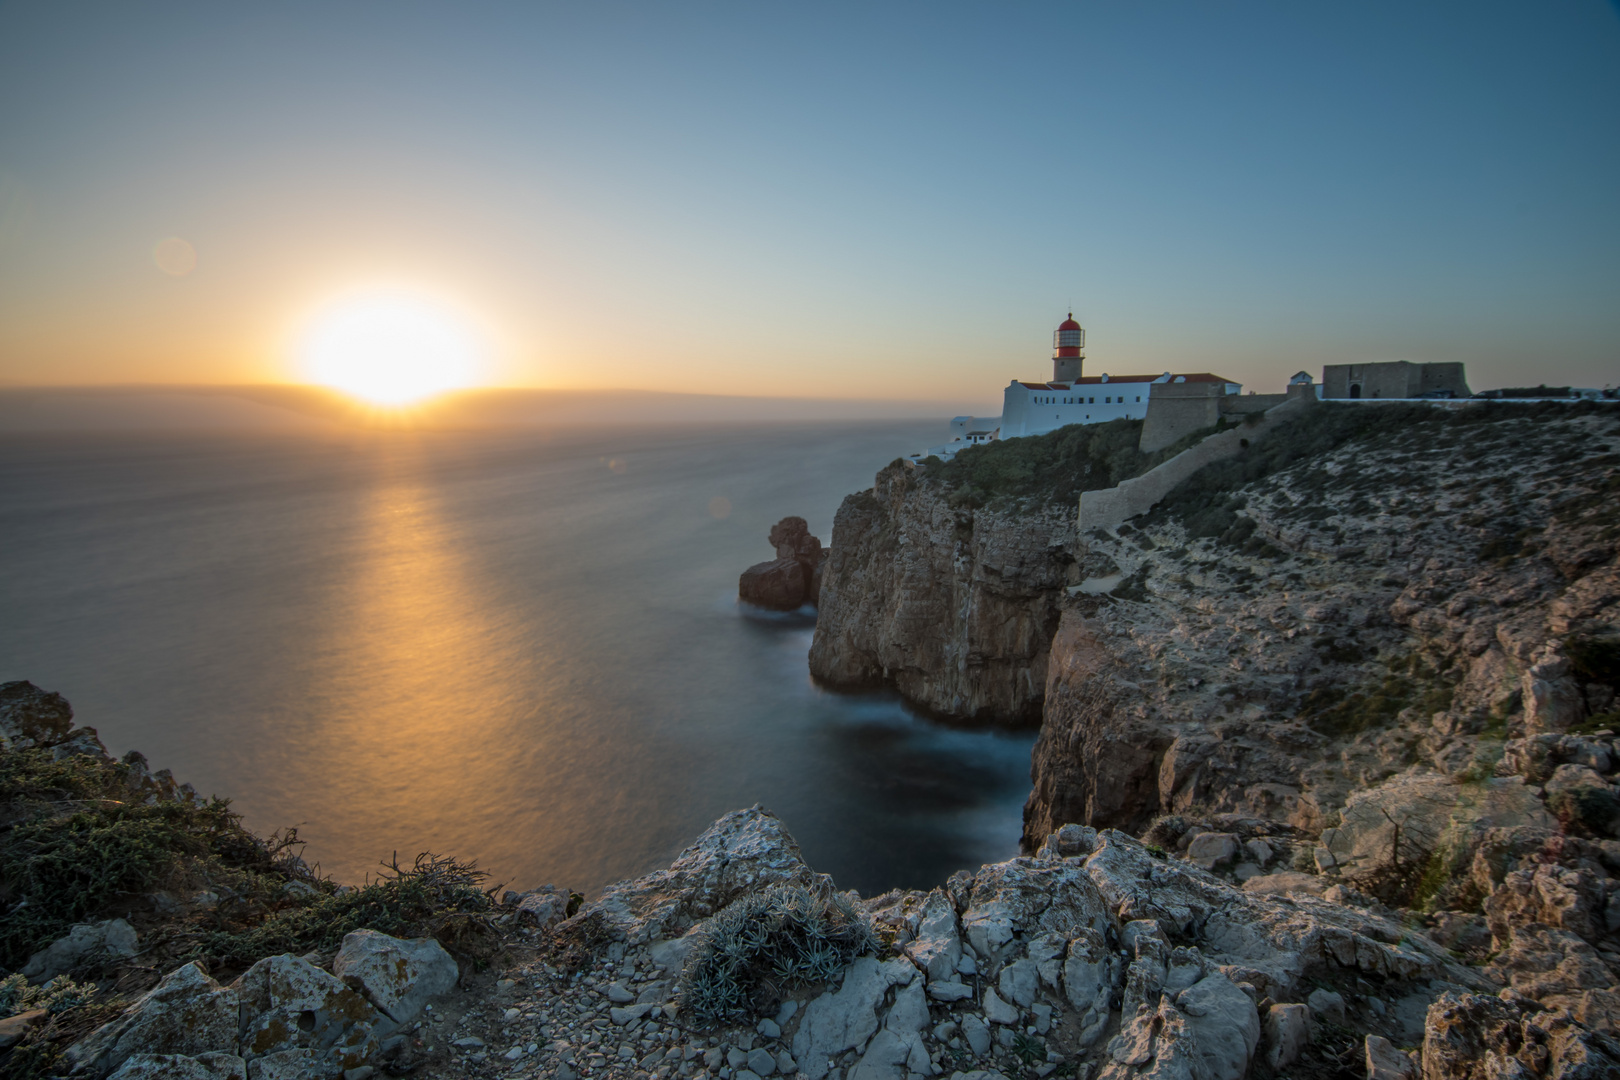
(1394, 379)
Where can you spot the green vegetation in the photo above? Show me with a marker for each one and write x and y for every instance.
(441, 897)
(1028, 1049)
(84, 835)
(57, 996)
(1055, 467)
(79, 839)
(782, 937)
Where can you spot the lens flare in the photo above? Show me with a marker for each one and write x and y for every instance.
(390, 348)
(174, 256)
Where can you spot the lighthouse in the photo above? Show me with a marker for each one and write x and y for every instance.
(1068, 351)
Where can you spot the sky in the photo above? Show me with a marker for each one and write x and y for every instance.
(831, 200)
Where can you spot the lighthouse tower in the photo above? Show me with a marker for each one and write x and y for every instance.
(1068, 351)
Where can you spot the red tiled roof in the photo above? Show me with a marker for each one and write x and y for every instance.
(1093, 380)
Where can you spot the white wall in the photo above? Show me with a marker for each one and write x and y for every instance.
(1034, 412)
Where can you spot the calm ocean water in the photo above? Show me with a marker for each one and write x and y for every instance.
(517, 647)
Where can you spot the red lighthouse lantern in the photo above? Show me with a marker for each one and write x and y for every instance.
(1068, 350)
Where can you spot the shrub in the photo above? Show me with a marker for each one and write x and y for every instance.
(56, 996)
(77, 844)
(1054, 467)
(783, 936)
(437, 896)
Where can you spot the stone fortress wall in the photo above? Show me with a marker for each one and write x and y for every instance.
(1176, 410)
(1393, 379)
(1111, 506)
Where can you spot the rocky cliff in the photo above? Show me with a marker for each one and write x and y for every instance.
(1287, 631)
(946, 578)
(953, 606)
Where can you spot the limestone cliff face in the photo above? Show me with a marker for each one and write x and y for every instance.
(953, 607)
(1419, 603)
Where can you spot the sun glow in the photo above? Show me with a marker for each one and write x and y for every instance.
(390, 348)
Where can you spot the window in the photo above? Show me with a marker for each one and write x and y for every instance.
(1093, 401)
(1139, 399)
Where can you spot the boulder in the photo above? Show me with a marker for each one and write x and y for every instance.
(841, 1020)
(910, 1009)
(1183, 968)
(949, 991)
(779, 585)
(742, 853)
(885, 1055)
(1386, 1061)
(397, 975)
(793, 577)
(1046, 952)
(937, 947)
(186, 1013)
(1553, 700)
(84, 943)
(1154, 1042)
(1088, 972)
(1287, 1029)
(792, 540)
(543, 907)
(290, 1004)
(14, 1027)
(1212, 849)
(1029, 897)
(1326, 1004)
(1400, 824)
(998, 1011)
(1225, 1026)
(977, 1034)
(1019, 981)
(32, 717)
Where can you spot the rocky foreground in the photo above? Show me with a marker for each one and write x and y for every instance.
(1096, 957)
(1099, 955)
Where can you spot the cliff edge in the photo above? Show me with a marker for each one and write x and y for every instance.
(945, 579)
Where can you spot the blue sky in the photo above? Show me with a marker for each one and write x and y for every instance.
(847, 200)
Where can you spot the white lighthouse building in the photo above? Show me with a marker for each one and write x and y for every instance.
(1072, 397)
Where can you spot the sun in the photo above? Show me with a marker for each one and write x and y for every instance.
(390, 348)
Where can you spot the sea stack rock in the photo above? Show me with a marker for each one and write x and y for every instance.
(793, 577)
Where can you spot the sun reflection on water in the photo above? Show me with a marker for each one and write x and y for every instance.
(416, 665)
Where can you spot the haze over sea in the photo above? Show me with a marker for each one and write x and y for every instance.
(522, 647)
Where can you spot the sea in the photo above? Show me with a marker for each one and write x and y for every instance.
(520, 647)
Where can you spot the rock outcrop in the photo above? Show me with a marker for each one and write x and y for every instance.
(953, 607)
(1098, 956)
(793, 578)
(283, 1017)
(1344, 621)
